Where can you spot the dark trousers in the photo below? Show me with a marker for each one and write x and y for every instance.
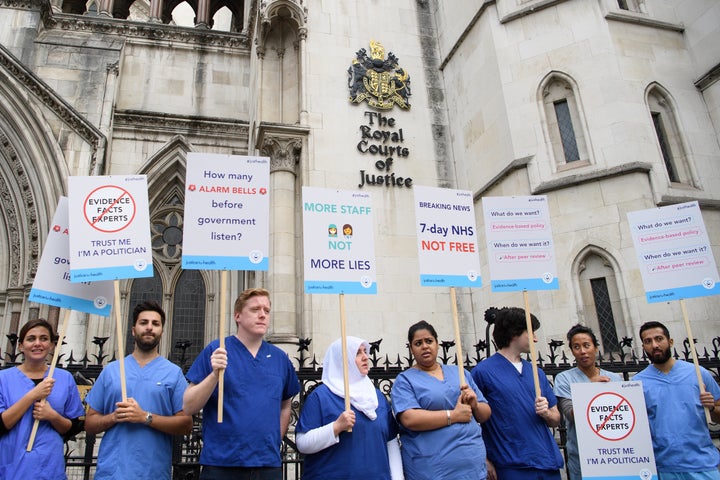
(240, 473)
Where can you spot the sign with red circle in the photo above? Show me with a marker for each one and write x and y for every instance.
(109, 209)
(611, 416)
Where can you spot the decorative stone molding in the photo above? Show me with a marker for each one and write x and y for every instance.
(146, 30)
(181, 124)
(283, 144)
(28, 217)
(47, 96)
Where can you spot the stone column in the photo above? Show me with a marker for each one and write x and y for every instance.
(106, 8)
(283, 144)
(302, 61)
(203, 14)
(156, 7)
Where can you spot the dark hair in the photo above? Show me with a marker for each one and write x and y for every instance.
(421, 325)
(38, 322)
(649, 325)
(576, 329)
(510, 323)
(148, 306)
(247, 295)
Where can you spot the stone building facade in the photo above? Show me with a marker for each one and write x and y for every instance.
(605, 106)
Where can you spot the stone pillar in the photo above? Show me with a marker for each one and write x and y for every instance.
(202, 20)
(283, 144)
(106, 8)
(302, 62)
(156, 7)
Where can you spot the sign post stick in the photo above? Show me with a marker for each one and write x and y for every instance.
(533, 351)
(694, 354)
(221, 378)
(120, 346)
(458, 346)
(343, 342)
(61, 337)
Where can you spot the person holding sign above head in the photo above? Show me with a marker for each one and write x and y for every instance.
(26, 395)
(675, 408)
(138, 432)
(583, 345)
(439, 430)
(519, 443)
(260, 382)
(370, 449)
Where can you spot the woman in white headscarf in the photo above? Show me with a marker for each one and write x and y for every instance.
(370, 450)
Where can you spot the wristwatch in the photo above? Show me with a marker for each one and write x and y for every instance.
(148, 418)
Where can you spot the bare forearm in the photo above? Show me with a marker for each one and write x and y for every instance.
(552, 418)
(61, 424)
(420, 420)
(178, 424)
(196, 396)
(482, 412)
(285, 411)
(95, 422)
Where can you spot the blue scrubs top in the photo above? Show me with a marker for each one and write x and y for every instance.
(46, 460)
(255, 388)
(361, 454)
(452, 452)
(563, 390)
(515, 436)
(135, 450)
(680, 436)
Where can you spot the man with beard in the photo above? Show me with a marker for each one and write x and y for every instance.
(680, 436)
(138, 432)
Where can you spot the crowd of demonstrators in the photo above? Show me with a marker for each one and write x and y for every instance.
(490, 424)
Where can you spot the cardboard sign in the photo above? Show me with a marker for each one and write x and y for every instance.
(447, 237)
(52, 284)
(674, 252)
(110, 225)
(339, 243)
(227, 212)
(519, 240)
(612, 431)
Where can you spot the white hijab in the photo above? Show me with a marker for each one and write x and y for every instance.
(362, 390)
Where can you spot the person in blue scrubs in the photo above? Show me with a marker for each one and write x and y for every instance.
(137, 442)
(331, 451)
(440, 433)
(520, 446)
(583, 345)
(22, 391)
(676, 410)
(260, 382)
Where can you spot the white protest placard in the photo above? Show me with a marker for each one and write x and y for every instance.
(110, 225)
(339, 243)
(612, 431)
(227, 212)
(521, 252)
(447, 237)
(674, 253)
(52, 284)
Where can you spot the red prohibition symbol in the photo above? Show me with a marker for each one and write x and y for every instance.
(109, 209)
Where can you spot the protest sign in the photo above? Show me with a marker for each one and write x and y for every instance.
(612, 431)
(520, 244)
(447, 237)
(52, 284)
(110, 225)
(227, 212)
(673, 250)
(339, 242)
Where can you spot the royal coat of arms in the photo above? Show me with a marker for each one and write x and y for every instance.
(378, 80)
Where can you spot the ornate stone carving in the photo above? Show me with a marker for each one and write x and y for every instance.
(283, 144)
(180, 124)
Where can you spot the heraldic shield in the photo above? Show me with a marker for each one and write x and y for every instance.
(378, 80)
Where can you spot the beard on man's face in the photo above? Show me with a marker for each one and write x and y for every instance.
(145, 344)
(660, 356)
